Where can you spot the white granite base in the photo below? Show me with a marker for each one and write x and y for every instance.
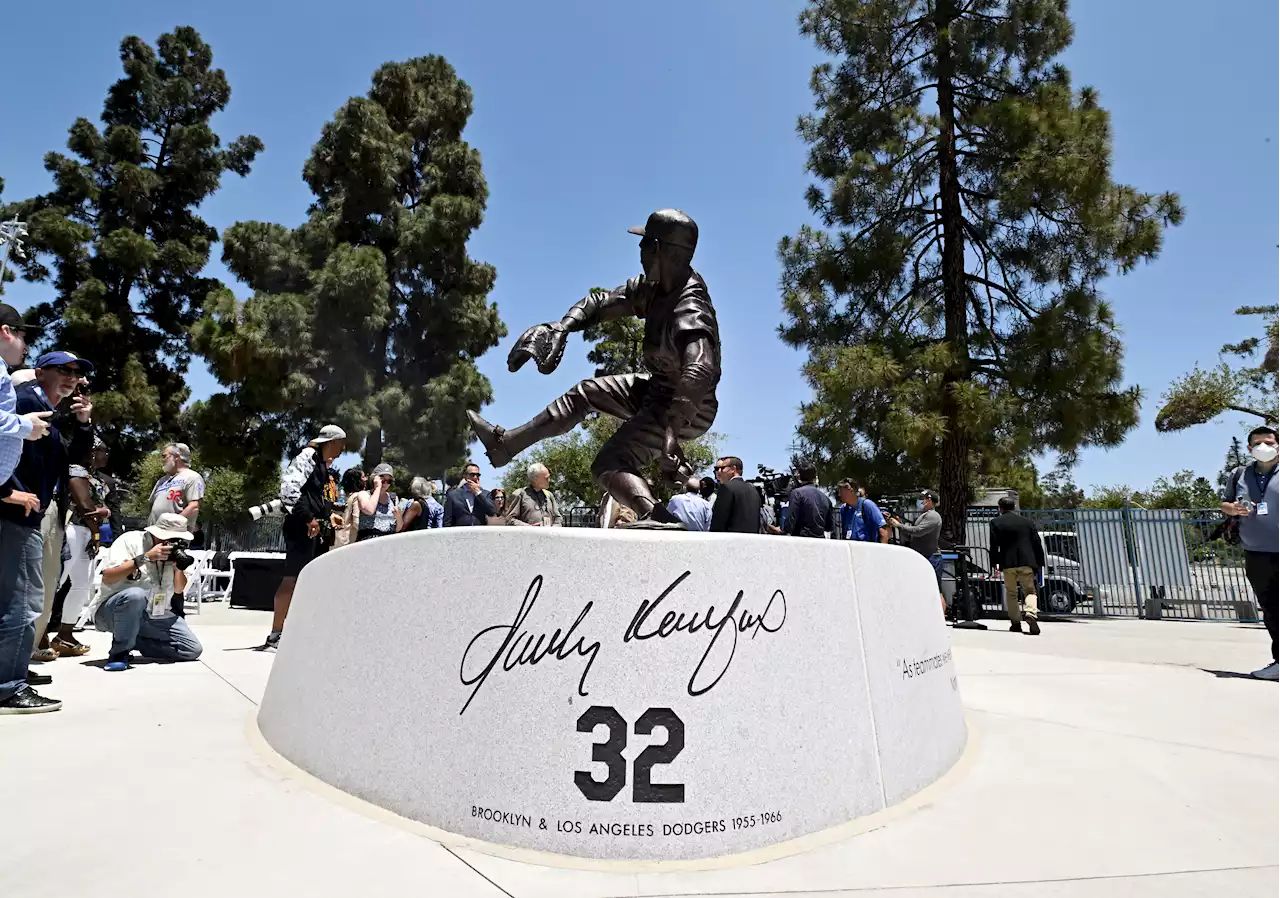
(781, 686)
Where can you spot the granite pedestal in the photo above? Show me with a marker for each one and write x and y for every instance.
(618, 695)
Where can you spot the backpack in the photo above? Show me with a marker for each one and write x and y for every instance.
(1228, 529)
(869, 530)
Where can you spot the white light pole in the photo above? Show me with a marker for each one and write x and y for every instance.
(11, 234)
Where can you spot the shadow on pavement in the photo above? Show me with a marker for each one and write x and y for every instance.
(1232, 675)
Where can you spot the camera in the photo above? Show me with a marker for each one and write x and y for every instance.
(275, 506)
(178, 555)
(775, 486)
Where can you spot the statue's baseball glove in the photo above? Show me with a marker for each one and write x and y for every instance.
(544, 343)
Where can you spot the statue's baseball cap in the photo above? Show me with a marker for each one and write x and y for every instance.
(13, 318)
(670, 226)
(62, 357)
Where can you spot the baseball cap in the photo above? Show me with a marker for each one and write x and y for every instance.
(329, 433)
(62, 357)
(13, 318)
(929, 494)
(170, 526)
(383, 470)
(670, 226)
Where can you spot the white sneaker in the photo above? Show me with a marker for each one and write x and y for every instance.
(1270, 672)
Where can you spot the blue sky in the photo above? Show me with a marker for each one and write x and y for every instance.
(590, 115)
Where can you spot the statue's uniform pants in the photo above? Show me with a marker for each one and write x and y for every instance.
(637, 400)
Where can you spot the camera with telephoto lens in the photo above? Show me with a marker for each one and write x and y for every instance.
(275, 506)
(774, 485)
(178, 555)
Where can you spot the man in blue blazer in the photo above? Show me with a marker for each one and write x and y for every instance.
(468, 504)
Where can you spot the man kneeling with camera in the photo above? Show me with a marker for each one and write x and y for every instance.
(140, 603)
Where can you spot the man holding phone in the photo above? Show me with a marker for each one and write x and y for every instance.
(20, 545)
(468, 504)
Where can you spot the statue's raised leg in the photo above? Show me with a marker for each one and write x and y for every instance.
(619, 395)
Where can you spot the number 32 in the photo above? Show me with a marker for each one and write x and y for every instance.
(610, 751)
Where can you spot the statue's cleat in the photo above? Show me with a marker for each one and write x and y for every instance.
(490, 436)
(658, 518)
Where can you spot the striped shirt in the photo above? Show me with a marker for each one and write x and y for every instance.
(13, 430)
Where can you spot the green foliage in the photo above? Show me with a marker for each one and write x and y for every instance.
(119, 239)
(1201, 395)
(228, 491)
(1183, 490)
(1236, 456)
(949, 302)
(618, 346)
(370, 314)
(569, 458)
(1058, 489)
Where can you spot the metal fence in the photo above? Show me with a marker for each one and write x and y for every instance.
(1138, 562)
(251, 536)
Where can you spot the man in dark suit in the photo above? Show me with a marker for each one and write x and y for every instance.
(737, 506)
(1016, 549)
(468, 504)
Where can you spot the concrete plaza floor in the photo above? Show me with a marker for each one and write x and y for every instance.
(1113, 758)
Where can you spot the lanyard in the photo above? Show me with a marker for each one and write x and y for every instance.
(1263, 481)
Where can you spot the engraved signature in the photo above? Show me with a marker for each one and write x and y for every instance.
(520, 646)
(733, 622)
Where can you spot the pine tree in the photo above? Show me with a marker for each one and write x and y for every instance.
(1201, 396)
(370, 314)
(1236, 456)
(120, 239)
(951, 312)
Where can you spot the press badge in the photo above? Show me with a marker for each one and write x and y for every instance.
(1261, 508)
(159, 606)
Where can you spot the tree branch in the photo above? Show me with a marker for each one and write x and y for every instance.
(909, 94)
(1265, 416)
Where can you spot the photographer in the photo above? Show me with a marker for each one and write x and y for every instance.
(140, 603)
(302, 492)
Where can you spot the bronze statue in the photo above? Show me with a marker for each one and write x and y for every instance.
(674, 400)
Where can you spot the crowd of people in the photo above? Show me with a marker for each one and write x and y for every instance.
(55, 520)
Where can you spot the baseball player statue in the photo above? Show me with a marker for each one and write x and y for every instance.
(675, 399)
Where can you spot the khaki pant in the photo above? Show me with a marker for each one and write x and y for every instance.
(52, 530)
(1026, 578)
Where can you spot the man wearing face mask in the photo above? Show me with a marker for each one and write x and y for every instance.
(1251, 499)
(675, 400)
(925, 531)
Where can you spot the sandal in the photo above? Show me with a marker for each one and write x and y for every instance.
(66, 648)
(43, 655)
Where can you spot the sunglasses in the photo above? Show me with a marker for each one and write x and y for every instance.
(472, 475)
(722, 467)
(68, 370)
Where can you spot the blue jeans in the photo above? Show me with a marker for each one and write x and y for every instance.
(21, 601)
(125, 617)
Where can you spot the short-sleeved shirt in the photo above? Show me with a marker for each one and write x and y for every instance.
(854, 520)
(155, 579)
(174, 492)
